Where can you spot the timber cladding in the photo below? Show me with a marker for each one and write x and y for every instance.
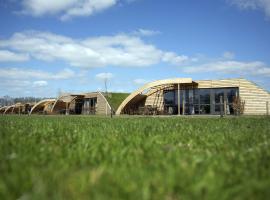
(102, 106)
(255, 97)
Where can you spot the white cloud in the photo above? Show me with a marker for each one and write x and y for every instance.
(25, 74)
(228, 55)
(253, 5)
(8, 56)
(40, 83)
(17, 81)
(10, 84)
(145, 32)
(231, 67)
(104, 76)
(65, 8)
(173, 58)
(119, 50)
(140, 81)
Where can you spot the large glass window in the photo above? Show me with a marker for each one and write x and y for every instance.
(231, 93)
(205, 109)
(196, 96)
(169, 97)
(89, 106)
(221, 96)
(204, 96)
(201, 101)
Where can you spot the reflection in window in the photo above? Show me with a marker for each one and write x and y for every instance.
(204, 96)
(196, 109)
(200, 101)
(219, 93)
(205, 109)
(169, 97)
(231, 93)
(196, 96)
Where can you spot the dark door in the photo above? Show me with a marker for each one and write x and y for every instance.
(78, 106)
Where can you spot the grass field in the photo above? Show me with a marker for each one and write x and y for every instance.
(134, 158)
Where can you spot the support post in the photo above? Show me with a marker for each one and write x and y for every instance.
(178, 98)
(67, 112)
(221, 107)
(225, 107)
(183, 105)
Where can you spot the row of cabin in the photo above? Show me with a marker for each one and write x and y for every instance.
(178, 96)
(86, 104)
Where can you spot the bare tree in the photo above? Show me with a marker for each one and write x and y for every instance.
(238, 105)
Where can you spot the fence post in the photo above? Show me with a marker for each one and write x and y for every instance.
(267, 108)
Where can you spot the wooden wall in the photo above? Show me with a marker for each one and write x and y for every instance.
(102, 105)
(155, 99)
(254, 96)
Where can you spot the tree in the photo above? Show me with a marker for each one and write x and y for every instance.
(238, 105)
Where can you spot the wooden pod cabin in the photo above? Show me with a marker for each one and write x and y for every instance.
(183, 96)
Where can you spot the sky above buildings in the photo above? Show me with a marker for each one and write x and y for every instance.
(48, 46)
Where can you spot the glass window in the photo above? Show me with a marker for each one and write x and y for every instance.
(205, 109)
(204, 96)
(196, 96)
(169, 97)
(218, 94)
(176, 97)
(217, 108)
(231, 93)
(190, 96)
(196, 109)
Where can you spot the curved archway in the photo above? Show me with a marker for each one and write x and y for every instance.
(61, 104)
(41, 106)
(2, 110)
(142, 92)
(9, 109)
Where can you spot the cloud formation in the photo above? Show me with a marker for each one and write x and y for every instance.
(146, 32)
(121, 50)
(8, 56)
(252, 5)
(40, 83)
(67, 9)
(232, 67)
(228, 55)
(27, 74)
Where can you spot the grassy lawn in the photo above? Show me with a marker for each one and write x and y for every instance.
(134, 158)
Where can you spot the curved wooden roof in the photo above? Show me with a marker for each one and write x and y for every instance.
(3, 109)
(149, 86)
(8, 108)
(42, 103)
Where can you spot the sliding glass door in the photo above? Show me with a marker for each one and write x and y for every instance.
(200, 101)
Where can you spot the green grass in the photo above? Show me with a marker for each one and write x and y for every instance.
(115, 99)
(134, 158)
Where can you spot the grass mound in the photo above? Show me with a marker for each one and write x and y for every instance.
(115, 99)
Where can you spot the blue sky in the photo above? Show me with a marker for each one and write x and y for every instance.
(47, 46)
